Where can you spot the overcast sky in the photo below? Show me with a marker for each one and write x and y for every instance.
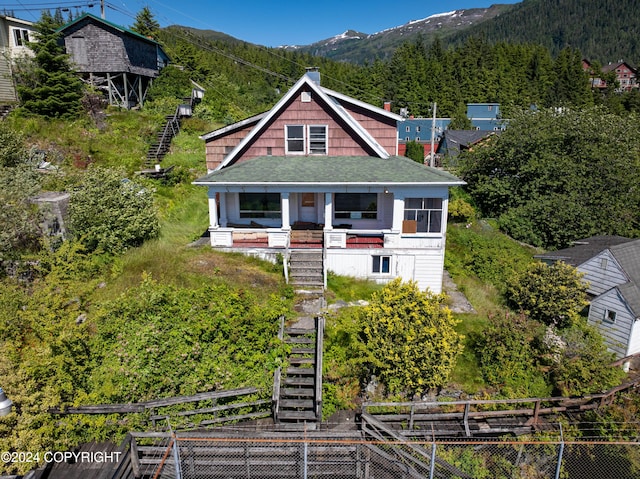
(272, 23)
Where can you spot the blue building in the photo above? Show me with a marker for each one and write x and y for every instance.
(483, 116)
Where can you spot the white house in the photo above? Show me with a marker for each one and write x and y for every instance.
(14, 36)
(611, 267)
(320, 172)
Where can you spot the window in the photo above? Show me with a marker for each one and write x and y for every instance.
(609, 316)
(295, 138)
(407, 129)
(311, 140)
(417, 129)
(21, 37)
(259, 205)
(317, 140)
(426, 212)
(381, 264)
(356, 205)
(604, 262)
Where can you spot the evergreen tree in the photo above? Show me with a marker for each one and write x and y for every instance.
(415, 151)
(47, 85)
(146, 24)
(459, 119)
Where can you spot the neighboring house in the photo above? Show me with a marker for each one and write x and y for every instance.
(320, 171)
(120, 61)
(14, 35)
(611, 267)
(455, 141)
(483, 116)
(626, 75)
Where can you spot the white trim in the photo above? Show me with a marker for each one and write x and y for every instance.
(331, 104)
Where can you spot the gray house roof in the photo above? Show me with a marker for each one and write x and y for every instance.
(628, 257)
(583, 250)
(329, 170)
(626, 252)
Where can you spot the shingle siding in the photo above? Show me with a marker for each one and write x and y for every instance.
(95, 48)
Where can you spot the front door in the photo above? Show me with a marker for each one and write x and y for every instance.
(308, 211)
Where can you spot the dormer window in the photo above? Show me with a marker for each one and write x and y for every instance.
(309, 139)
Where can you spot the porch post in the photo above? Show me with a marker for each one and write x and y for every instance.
(328, 211)
(213, 209)
(223, 210)
(286, 220)
(398, 212)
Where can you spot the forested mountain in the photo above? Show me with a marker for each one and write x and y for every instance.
(603, 30)
(358, 47)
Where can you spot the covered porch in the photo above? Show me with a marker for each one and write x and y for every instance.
(291, 219)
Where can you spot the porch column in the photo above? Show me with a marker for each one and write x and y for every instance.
(328, 211)
(398, 212)
(284, 204)
(213, 209)
(223, 210)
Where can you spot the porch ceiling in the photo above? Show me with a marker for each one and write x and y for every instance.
(360, 170)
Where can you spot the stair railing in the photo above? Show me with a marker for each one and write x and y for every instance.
(275, 399)
(318, 372)
(171, 129)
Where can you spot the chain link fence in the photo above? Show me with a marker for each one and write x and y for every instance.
(213, 458)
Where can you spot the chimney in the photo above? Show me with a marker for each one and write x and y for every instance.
(387, 105)
(314, 74)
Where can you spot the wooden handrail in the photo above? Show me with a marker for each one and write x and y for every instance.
(319, 349)
(141, 406)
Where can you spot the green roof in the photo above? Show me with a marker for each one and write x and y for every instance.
(111, 24)
(329, 170)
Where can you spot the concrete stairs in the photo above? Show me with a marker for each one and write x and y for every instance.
(306, 268)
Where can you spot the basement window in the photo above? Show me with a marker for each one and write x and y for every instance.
(381, 264)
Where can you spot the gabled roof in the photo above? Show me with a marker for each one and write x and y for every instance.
(456, 140)
(328, 170)
(628, 257)
(233, 127)
(584, 249)
(330, 98)
(614, 66)
(119, 28)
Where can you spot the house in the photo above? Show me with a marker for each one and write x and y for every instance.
(626, 75)
(320, 172)
(611, 267)
(455, 141)
(14, 36)
(483, 116)
(115, 59)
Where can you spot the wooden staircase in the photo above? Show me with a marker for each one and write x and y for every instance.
(299, 392)
(306, 268)
(169, 129)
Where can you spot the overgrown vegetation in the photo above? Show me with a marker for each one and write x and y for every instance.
(558, 175)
